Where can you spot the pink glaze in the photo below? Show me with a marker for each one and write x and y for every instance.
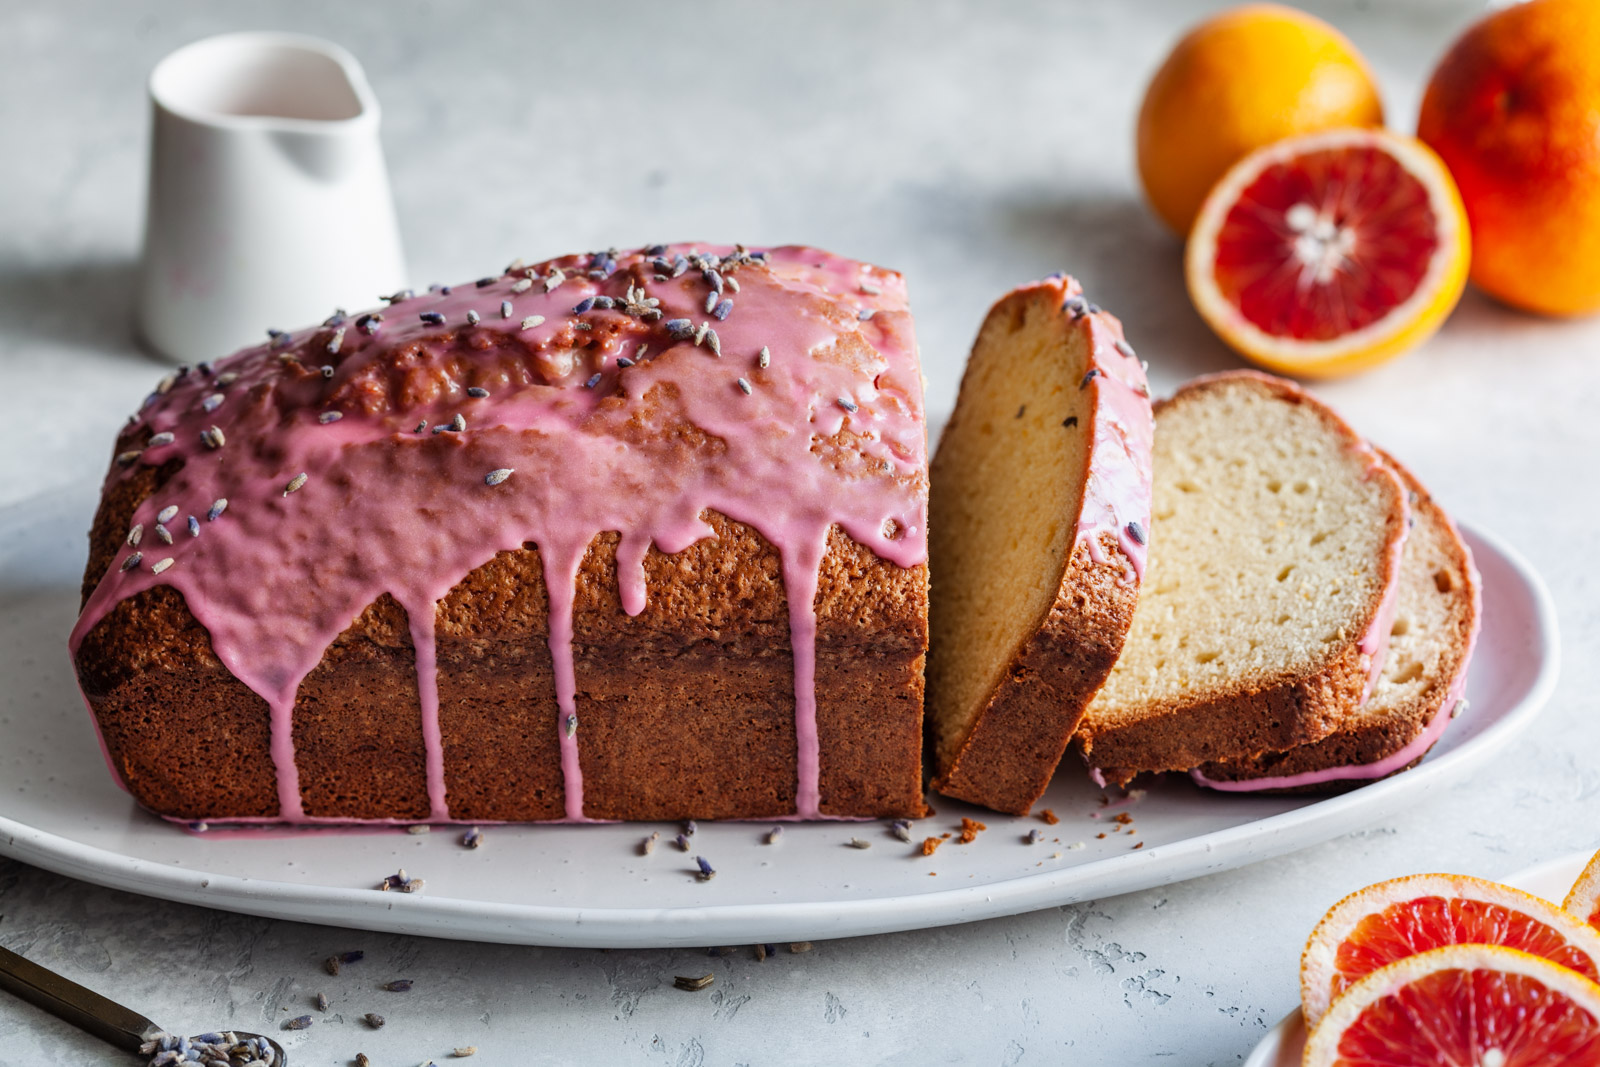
(1413, 750)
(384, 508)
(1374, 644)
(1116, 494)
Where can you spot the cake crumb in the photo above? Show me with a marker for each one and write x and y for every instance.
(970, 829)
(465, 1051)
(1048, 817)
(931, 845)
(798, 947)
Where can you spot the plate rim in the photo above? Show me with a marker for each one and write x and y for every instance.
(575, 925)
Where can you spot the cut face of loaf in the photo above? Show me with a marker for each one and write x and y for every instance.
(1275, 549)
(1424, 674)
(1041, 497)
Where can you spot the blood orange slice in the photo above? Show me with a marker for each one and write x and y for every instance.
(1329, 253)
(1462, 1006)
(1584, 900)
(1389, 921)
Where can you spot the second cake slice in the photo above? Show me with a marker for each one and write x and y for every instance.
(1265, 614)
(1041, 491)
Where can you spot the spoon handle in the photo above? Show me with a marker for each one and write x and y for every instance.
(83, 1008)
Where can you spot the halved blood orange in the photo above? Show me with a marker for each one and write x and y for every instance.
(1389, 921)
(1584, 900)
(1329, 253)
(1462, 1006)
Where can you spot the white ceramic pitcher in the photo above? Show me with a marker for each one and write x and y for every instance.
(269, 201)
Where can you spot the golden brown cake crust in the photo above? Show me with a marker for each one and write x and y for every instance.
(1021, 733)
(688, 708)
(1253, 719)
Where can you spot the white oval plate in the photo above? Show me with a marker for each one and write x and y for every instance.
(591, 886)
(1285, 1044)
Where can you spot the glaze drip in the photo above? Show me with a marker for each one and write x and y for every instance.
(541, 407)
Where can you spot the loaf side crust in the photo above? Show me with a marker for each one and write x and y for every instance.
(688, 708)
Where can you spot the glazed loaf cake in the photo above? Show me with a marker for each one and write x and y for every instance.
(1041, 496)
(1424, 674)
(620, 536)
(1264, 617)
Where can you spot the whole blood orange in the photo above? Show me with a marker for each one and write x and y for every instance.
(1584, 900)
(1329, 253)
(1240, 80)
(1514, 110)
(1462, 1006)
(1389, 921)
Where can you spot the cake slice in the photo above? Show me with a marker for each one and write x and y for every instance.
(1264, 616)
(1041, 498)
(1424, 674)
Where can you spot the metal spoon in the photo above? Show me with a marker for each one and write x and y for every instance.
(88, 1010)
